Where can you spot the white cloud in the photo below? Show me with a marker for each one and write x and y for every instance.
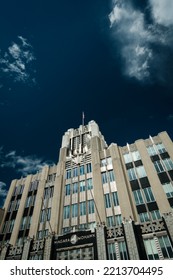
(162, 11)
(134, 38)
(16, 61)
(3, 191)
(22, 164)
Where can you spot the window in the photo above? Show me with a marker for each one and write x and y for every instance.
(115, 198)
(107, 200)
(82, 208)
(82, 186)
(166, 247)
(168, 163)
(45, 215)
(88, 167)
(123, 250)
(30, 201)
(11, 225)
(127, 158)
(90, 206)
(131, 174)
(148, 194)
(144, 217)
(118, 220)
(151, 150)
(68, 173)
(168, 188)
(33, 186)
(111, 176)
(160, 147)
(158, 166)
(75, 172)
(141, 171)
(136, 155)
(104, 177)
(151, 249)
(74, 210)
(48, 192)
(111, 251)
(17, 204)
(155, 214)
(75, 187)
(66, 212)
(138, 197)
(23, 223)
(82, 170)
(67, 189)
(89, 184)
(103, 162)
(110, 221)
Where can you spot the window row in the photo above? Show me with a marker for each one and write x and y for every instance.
(78, 187)
(138, 172)
(117, 252)
(111, 199)
(151, 247)
(144, 195)
(26, 222)
(164, 165)
(81, 170)
(81, 209)
(48, 192)
(155, 149)
(144, 217)
(133, 156)
(14, 205)
(106, 161)
(45, 215)
(112, 221)
(108, 176)
(18, 189)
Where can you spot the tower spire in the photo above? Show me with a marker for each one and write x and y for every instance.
(83, 118)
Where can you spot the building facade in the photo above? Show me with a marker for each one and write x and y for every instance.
(98, 202)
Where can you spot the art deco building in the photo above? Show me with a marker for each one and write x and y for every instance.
(98, 202)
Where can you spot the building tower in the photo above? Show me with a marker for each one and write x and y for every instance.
(98, 202)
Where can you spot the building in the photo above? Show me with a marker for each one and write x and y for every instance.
(98, 202)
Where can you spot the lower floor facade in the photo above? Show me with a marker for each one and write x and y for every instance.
(128, 241)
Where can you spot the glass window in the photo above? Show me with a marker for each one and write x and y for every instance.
(168, 188)
(75, 172)
(160, 147)
(89, 184)
(115, 198)
(111, 251)
(75, 210)
(11, 225)
(168, 163)
(136, 155)
(158, 166)
(123, 250)
(45, 215)
(66, 212)
(104, 177)
(90, 206)
(151, 150)
(131, 174)
(67, 189)
(166, 247)
(107, 200)
(82, 208)
(111, 175)
(88, 167)
(127, 158)
(110, 221)
(82, 170)
(68, 173)
(118, 220)
(75, 187)
(138, 197)
(148, 194)
(151, 249)
(17, 204)
(155, 214)
(141, 171)
(82, 186)
(144, 217)
(23, 223)
(103, 162)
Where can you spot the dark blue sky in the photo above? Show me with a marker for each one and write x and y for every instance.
(111, 59)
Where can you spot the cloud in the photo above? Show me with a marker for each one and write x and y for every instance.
(22, 164)
(143, 44)
(3, 191)
(16, 61)
(162, 11)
